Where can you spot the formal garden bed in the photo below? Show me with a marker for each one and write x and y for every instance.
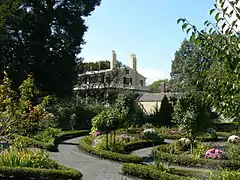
(48, 139)
(32, 163)
(204, 155)
(119, 146)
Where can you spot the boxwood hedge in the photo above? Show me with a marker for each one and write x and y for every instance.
(36, 173)
(85, 146)
(149, 172)
(191, 161)
(52, 145)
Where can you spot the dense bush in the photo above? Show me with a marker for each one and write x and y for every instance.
(85, 146)
(162, 116)
(225, 175)
(47, 135)
(131, 146)
(149, 172)
(162, 153)
(83, 113)
(52, 145)
(35, 158)
(17, 173)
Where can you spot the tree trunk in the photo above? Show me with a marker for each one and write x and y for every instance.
(111, 138)
(114, 137)
(106, 140)
(191, 146)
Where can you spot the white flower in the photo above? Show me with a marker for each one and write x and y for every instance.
(234, 139)
(150, 130)
(185, 140)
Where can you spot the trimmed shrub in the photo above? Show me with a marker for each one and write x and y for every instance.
(162, 154)
(36, 173)
(23, 142)
(85, 146)
(225, 175)
(131, 146)
(149, 172)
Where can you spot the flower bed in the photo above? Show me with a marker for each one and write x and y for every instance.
(86, 147)
(32, 163)
(50, 146)
(148, 172)
(162, 153)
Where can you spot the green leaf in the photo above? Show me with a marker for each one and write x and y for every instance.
(206, 22)
(217, 16)
(179, 20)
(188, 30)
(211, 11)
(184, 26)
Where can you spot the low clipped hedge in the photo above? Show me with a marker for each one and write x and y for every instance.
(175, 136)
(191, 161)
(148, 172)
(85, 146)
(141, 144)
(52, 145)
(36, 173)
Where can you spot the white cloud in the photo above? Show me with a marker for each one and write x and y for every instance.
(153, 74)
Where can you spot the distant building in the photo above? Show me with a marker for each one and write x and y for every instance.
(150, 101)
(123, 77)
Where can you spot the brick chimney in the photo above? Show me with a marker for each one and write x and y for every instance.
(114, 60)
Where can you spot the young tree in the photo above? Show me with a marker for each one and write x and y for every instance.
(23, 113)
(221, 41)
(192, 116)
(44, 38)
(156, 85)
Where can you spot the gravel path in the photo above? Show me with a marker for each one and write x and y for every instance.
(92, 168)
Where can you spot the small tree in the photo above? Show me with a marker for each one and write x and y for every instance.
(24, 112)
(191, 114)
(107, 121)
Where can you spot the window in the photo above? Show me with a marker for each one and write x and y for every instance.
(127, 81)
(141, 82)
(127, 71)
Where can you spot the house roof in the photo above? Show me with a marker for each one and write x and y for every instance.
(153, 97)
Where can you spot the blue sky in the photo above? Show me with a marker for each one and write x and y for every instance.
(145, 28)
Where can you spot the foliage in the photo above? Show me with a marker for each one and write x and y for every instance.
(23, 113)
(46, 44)
(233, 151)
(36, 173)
(27, 158)
(188, 68)
(156, 85)
(188, 160)
(220, 41)
(65, 108)
(108, 154)
(162, 116)
(149, 172)
(192, 115)
(224, 175)
(47, 135)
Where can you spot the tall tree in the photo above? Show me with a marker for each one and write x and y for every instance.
(221, 40)
(43, 37)
(188, 68)
(156, 85)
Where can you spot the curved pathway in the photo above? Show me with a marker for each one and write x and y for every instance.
(92, 168)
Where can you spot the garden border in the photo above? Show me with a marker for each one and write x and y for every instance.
(188, 161)
(24, 172)
(53, 145)
(148, 172)
(85, 147)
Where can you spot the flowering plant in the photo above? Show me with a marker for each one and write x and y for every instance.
(215, 153)
(174, 132)
(234, 139)
(150, 130)
(97, 133)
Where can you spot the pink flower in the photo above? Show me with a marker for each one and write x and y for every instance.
(215, 153)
